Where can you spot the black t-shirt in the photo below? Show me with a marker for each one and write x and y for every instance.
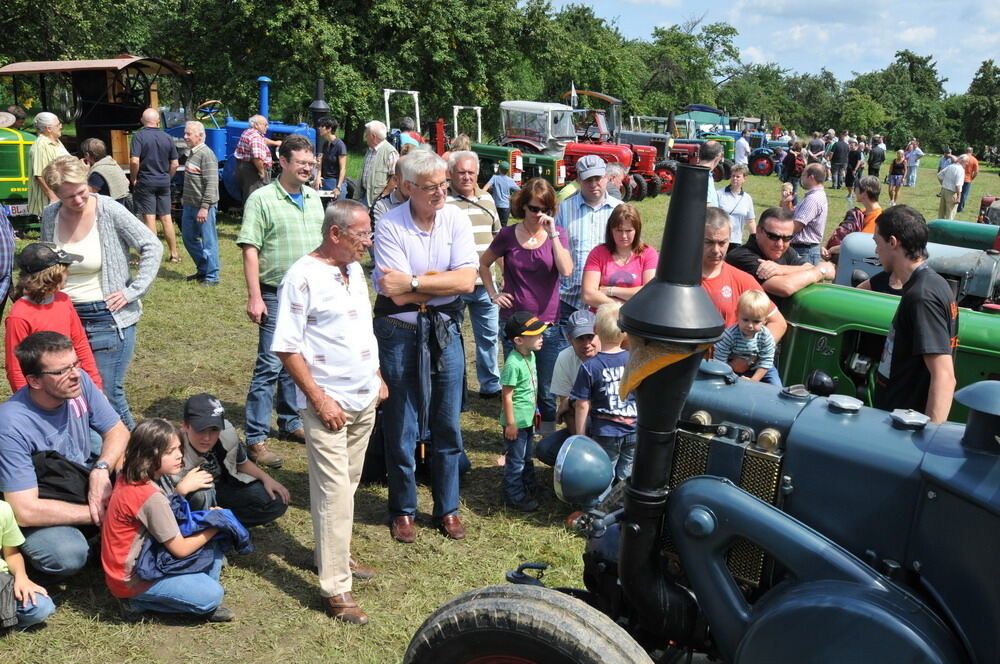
(816, 146)
(747, 257)
(838, 155)
(853, 157)
(155, 150)
(926, 323)
(880, 284)
(331, 158)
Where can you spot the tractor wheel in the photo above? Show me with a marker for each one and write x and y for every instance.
(666, 164)
(353, 191)
(667, 176)
(653, 186)
(762, 165)
(638, 186)
(723, 171)
(521, 625)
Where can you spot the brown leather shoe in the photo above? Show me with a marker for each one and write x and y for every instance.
(262, 456)
(297, 436)
(451, 527)
(360, 572)
(403, 530)
(342, 607)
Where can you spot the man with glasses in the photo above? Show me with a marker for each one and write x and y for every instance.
(55, 412)
(253, 152)
(768, 258)
(425, 258)
(281, 223)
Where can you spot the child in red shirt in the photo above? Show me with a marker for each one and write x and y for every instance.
(41, 306)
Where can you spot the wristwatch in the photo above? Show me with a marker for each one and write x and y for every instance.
(101, 465)
(414, 283)
(554, 235)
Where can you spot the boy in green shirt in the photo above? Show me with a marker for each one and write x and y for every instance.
(518, 382)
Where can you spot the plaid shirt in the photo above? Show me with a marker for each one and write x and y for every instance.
(280, 230)
(6, 254)
(252, 146)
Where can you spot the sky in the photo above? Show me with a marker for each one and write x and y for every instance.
(844, 36)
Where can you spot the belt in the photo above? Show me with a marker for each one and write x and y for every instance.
(804, 245)
(267, 288)
(401, 324)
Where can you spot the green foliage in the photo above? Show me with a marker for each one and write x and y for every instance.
(862, 113)
(980, 112)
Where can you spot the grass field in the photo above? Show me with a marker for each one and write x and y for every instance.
(194, 339)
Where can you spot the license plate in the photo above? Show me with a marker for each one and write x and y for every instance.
(16, 209)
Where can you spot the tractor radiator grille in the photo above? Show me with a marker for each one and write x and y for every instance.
(759, 476)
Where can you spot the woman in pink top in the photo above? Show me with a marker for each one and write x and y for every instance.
(617, 269)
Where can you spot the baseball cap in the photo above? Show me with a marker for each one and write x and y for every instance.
(204, 411)
(580, 323)
(523, 324)
(38, 256)
(590, 165)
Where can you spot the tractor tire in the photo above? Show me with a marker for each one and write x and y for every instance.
(723, 171)
(638, 187)
(353, 190)
(653, 186)
(762, 165)
(521, 625)
(666, 165)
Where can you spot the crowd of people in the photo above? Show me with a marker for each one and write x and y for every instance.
(162, 503)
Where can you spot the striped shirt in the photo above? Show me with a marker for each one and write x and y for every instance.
(811, 212)
(281, 231)
(585, 226)
(758, 350)
(482, 213)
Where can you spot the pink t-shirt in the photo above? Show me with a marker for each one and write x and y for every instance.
(620, 276)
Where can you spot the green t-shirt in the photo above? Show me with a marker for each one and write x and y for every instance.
(519, 372)
(10, 534)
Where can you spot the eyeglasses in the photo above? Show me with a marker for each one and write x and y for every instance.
(363, 235)
(59, 373)
(774, 237)
(309, 163)
(538, 210)
(431, 188)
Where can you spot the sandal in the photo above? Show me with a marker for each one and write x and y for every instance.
(175, 259)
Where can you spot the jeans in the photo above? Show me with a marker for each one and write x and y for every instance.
(838, 171)
(771, 377)
(329, 184)
(249, 502)
(621, 451)
(113, 350)
(398, 355)
(184, 593)
(965, 196)
(809, 254)
(547, 449)
(545, 363)
(268, 372)
(33, 614)
(795, 189)
(484, 316)
(519, 471)
(58, 551)
(911, 175)
(504, 215)
(202, 242)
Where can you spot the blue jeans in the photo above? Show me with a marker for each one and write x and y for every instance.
(795, 189)
(809, 254)
(34, 613)
(113, 350)
(202, 242)
(268, 372)
(519, 470)
(58, 551)
(965, 195)
(545, 363)
(329, 184)
(484, 316)
(911, 175)
(184, 593)
(398, 355)
(547, 449)
(249, 502)
(621, 451)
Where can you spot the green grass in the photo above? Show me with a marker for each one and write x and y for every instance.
(194, 339)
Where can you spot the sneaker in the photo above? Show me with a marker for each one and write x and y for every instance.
(221, 614)
(262, 456)
(194, 277)
(525, 504)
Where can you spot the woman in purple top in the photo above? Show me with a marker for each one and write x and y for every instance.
(534, 256)
(617, 269)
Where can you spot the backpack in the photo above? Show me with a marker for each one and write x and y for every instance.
(799, 165)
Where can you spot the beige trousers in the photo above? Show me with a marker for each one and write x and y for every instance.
(948, 204)
(335, 462)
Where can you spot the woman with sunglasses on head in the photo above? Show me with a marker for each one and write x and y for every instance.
(535, 255)
(618, 268)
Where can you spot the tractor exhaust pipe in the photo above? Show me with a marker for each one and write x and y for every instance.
(670, 323)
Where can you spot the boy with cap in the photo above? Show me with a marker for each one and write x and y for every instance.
(217, 470)
(40, 305)
(518, 383)
(500, 187)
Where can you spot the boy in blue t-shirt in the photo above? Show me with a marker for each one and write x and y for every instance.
(612, 419)
(518, 385)
(501, 186)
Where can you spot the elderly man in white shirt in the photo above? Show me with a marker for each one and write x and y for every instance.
(952, 178)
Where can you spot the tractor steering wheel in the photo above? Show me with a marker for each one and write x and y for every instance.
(209, 110)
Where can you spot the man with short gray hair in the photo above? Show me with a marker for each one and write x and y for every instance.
(380, 161)
(201, 195)
(952, 178)
(106, 176)
(43, 152)
(253, 152)
(617, 180)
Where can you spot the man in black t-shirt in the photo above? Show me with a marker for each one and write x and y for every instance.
(877, 156)
(769, 258)
(152, 166)
(838, 160)
(917, 370)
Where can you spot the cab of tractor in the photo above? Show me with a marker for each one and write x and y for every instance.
(537, 127)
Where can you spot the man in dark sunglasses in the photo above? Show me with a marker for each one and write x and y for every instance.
(770, 259)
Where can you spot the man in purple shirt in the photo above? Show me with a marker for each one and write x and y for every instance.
(810, 214)
(425, 257)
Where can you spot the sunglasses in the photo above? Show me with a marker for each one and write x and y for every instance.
(538, 210)
(774, 237)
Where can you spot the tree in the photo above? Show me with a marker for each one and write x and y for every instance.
(980, 114)
(756, 90)
(862, 114)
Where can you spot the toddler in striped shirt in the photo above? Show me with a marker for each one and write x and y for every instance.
(749, 342)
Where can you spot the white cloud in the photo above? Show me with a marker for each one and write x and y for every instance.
(662, 3)
(755, 56)
(918, 36)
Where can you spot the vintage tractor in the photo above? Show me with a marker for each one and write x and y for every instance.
(964, 234)
(989, 211)
(758, 525)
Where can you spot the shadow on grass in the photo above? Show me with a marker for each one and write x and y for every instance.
(273, 539)
(172, 408)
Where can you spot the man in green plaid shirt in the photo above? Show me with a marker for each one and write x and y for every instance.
(281, 223)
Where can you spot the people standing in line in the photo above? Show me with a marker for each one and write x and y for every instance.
(971, 166)
(379, 165)
(810, 214)
(281, 223)
(152, 165)
(738, 204)
(619, 267)
(465, 195)
(535, 255)
(898, 170)
(253, 156)
(325, 340)
(106, 176)
(333, 160)
(46, 149)
(200, 200)
(500, 187)
(951, 179)
(102, 288)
